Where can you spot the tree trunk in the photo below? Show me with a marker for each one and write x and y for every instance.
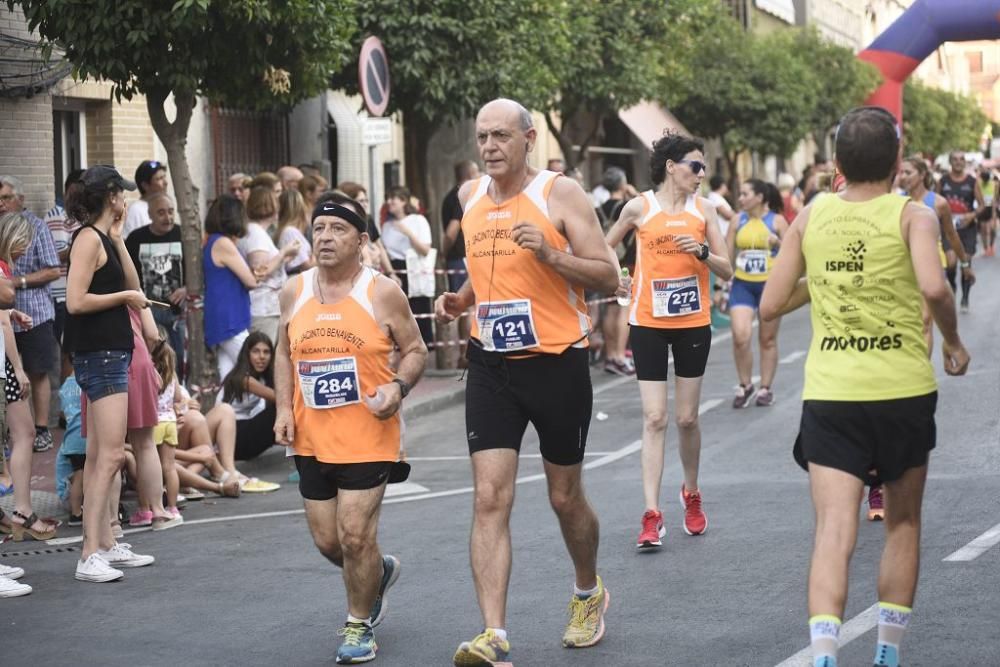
(173, 135)
(565, 143)
(734, 178)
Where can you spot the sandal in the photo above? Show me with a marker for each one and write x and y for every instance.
(229, 488)
(19, 529)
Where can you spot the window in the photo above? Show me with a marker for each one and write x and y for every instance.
(69, 145)
(975, 62)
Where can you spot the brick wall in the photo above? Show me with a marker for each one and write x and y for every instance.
(26, 127)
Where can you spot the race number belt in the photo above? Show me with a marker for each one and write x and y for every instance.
(674, 297)
(752, 262)
(330, 383)
(506, 326)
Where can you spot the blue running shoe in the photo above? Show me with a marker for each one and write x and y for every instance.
(358, 646)
(390, 573)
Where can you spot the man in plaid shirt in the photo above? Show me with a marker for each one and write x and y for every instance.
(32, 274)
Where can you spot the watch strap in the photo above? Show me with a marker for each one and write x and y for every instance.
(404, 386)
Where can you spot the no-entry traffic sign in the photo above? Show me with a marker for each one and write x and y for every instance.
(373, 75)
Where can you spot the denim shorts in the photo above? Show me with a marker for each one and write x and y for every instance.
(103, 373)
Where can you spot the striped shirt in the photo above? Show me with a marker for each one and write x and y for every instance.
(61, 226)
(36, 301)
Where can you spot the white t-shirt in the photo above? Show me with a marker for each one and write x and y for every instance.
(137, 216)
(396, 243)
(290, 235)
(249, 407)
(165, 404)
(264, 297)
(717, 200)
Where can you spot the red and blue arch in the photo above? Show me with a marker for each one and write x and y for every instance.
(922, 28)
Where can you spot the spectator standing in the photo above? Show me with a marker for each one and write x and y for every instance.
(404, 233)
(374, 255)
(717, 197)
(15, 238)
(62, 227)
(791, 202)
(290, 177)
(151, 179)
(102, 283)
(293, 221)
(157, 253)
(311, 187)
(453, 241)
(33, 273)
(228, 281)
(239, 186)
(265, 260)
(614, 323)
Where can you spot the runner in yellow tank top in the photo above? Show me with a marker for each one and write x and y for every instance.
(863, 258)
(753, 240)
(532, 244)
(337, 404)
(678, 241)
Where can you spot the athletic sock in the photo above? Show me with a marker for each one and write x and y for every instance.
(951, 273)
(824, 629)
(41, 429)
(966, 288)
(583, 594)
(355, 619)
(892, 620)
(499, 632)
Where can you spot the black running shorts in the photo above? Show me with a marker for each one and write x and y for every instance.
(321, 481)
(889, 437)
(651, 347)
(550, 391)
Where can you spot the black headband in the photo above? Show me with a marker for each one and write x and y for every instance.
(337, 211)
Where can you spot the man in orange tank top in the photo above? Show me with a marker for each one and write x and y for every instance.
(337, 405)
(533, 244)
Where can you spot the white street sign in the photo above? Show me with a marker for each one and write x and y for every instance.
(375, 131)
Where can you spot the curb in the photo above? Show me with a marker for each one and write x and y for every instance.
(435, 403)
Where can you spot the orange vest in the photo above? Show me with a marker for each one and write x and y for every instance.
(522, 305)
(670, 287)
(339, 352)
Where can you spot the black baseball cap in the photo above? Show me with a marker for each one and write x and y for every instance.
(144, 172)
(105, 177)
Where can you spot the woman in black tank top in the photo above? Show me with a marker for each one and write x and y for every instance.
(101, 284)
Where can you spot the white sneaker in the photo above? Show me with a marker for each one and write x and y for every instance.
(10, 571)
(121, 555)
(96, 569)
(12, 589)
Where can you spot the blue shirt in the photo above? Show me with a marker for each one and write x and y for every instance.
(36, 301)
(72, 443)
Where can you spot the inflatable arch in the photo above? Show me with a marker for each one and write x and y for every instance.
(922, 28)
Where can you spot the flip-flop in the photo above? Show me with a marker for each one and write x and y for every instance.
(6, 490)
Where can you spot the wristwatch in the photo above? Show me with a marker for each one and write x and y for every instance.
(703, 255)
(24, 282)
(967, 264)
(404, 386)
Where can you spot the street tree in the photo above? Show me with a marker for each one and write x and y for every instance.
(449, 57)
(754, 93)
(258, 54)
(620, 53)
(936, 121)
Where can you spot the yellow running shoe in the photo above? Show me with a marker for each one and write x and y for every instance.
(586, 618)
(485, 650)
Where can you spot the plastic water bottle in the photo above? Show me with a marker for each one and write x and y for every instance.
(623, 301)
(374, 400)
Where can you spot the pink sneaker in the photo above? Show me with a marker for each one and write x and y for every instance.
(141, 518)
(174, 511)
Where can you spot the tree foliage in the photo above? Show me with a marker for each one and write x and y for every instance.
(766, 93)
(936, 121)
(618, 53)
(245, 53)
(449, 57)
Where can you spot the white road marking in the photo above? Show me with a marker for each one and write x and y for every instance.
(794, 356)
(976, 547)
(465, 457)
(849, 631)
(410, 491)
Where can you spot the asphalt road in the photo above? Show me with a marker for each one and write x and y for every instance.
(239, 586)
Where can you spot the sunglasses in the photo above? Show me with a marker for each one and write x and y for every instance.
(697, 166)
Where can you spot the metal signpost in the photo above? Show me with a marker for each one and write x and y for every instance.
(373, 76)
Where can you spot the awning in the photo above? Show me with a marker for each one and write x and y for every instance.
(648, 120)
(783, 9)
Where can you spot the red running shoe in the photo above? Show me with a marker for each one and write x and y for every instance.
(695, 521)
(652, 530)
(876, 508)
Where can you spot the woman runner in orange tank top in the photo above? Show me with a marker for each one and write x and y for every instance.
(679, 241)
